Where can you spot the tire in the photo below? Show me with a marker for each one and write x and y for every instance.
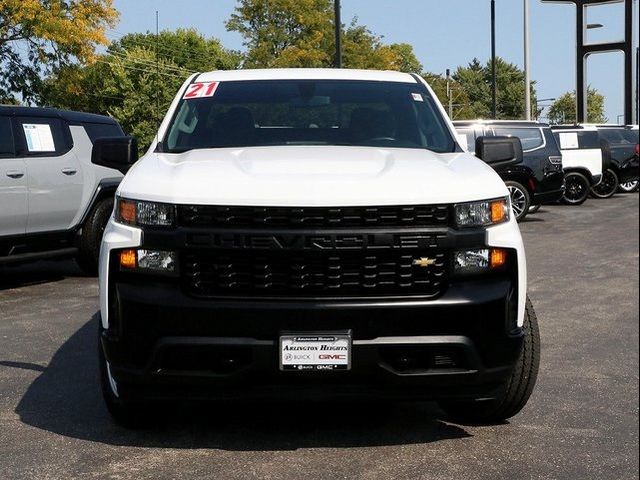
(516, 391)
(629, 187)
(129, 413)
(520, 199)
(577, 189)
(607, 187)
(91, 236)
(534, 209)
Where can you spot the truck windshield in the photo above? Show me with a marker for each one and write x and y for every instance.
(307, 112)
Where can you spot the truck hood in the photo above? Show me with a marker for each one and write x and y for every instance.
(311, 176)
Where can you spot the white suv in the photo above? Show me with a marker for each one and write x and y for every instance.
(319, 232)
(54, 201)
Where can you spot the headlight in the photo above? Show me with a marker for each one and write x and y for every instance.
(140, 214)
(482, 214)
(155, 261)
(469, 262)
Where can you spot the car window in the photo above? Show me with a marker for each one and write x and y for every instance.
(102, 130)
(308, 112)
(530, 137)
(583, 140)
(7, 149)
(619, 136)
(41, 136)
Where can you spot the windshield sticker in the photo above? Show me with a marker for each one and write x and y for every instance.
(39, 137)
(201, 89)
(417, 97)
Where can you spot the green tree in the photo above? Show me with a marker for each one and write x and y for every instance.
(300, 33)
(563, 110)
(38, 37)
(476, 80)
(461, 105)
(130, 84)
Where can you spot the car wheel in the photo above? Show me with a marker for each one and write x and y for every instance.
(91, 236)
(520, 200)
(607, 187)
(516, 391)
(534, 209)
(577, 189)
(629, 187)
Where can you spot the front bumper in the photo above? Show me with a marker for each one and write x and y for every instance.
(162, 344)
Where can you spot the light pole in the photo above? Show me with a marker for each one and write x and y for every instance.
(338, 32)
(527, 75)
(494, 76)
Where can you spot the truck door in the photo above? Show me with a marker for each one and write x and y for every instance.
(54, 175)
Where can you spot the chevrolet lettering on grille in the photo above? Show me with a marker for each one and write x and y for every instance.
(315, 241)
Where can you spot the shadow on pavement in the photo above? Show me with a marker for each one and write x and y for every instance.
(65, 399)
(35, 273)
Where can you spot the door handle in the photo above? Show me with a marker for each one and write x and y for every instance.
(69, 171)
(15, 174)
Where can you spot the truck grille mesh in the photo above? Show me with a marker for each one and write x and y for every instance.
(311, 274)
(315, 217)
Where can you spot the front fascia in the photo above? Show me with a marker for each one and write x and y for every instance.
(508, 235)
(115, 236)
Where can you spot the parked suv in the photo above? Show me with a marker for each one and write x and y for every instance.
(55, 202)
(539, 179)
(315, 231)
(624, 166)
(584, 159)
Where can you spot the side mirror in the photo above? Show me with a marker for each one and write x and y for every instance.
(499, 151)
(118, 153)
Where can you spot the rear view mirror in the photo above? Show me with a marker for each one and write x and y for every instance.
(499, 151)
(118, 153)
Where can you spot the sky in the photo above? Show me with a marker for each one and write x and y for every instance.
(444, 34)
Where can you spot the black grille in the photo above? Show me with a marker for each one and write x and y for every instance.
(315, 217)
(313, 274)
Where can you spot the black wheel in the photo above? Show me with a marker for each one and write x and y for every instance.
(520, 199)
(128, 413)
(607, 187)
(577, 189)
(534, 209)
(629, 187)
(516, 391)
(91, 236)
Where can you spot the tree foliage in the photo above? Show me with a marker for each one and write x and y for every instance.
(38, 37)
(563, 110)
(128, 83)
(476, 80)
(300, 33)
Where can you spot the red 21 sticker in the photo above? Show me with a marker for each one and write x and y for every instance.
(201, 89)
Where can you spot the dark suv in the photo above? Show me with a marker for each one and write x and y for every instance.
(539, 179)
(623, 168)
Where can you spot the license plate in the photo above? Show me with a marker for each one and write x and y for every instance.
(315, 352)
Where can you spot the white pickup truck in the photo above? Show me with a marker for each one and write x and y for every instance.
(317, 232)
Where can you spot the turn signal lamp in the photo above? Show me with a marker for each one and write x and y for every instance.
(128, 259)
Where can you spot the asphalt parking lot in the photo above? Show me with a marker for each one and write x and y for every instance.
(581, 423)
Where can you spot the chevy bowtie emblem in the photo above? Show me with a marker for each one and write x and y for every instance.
(423, 262)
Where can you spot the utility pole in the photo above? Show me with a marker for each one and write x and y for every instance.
(449, 94)
(494, 75)
(527, 73)
(338, 32)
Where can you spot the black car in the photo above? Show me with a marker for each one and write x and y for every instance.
(623, 169)
(539, 179)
